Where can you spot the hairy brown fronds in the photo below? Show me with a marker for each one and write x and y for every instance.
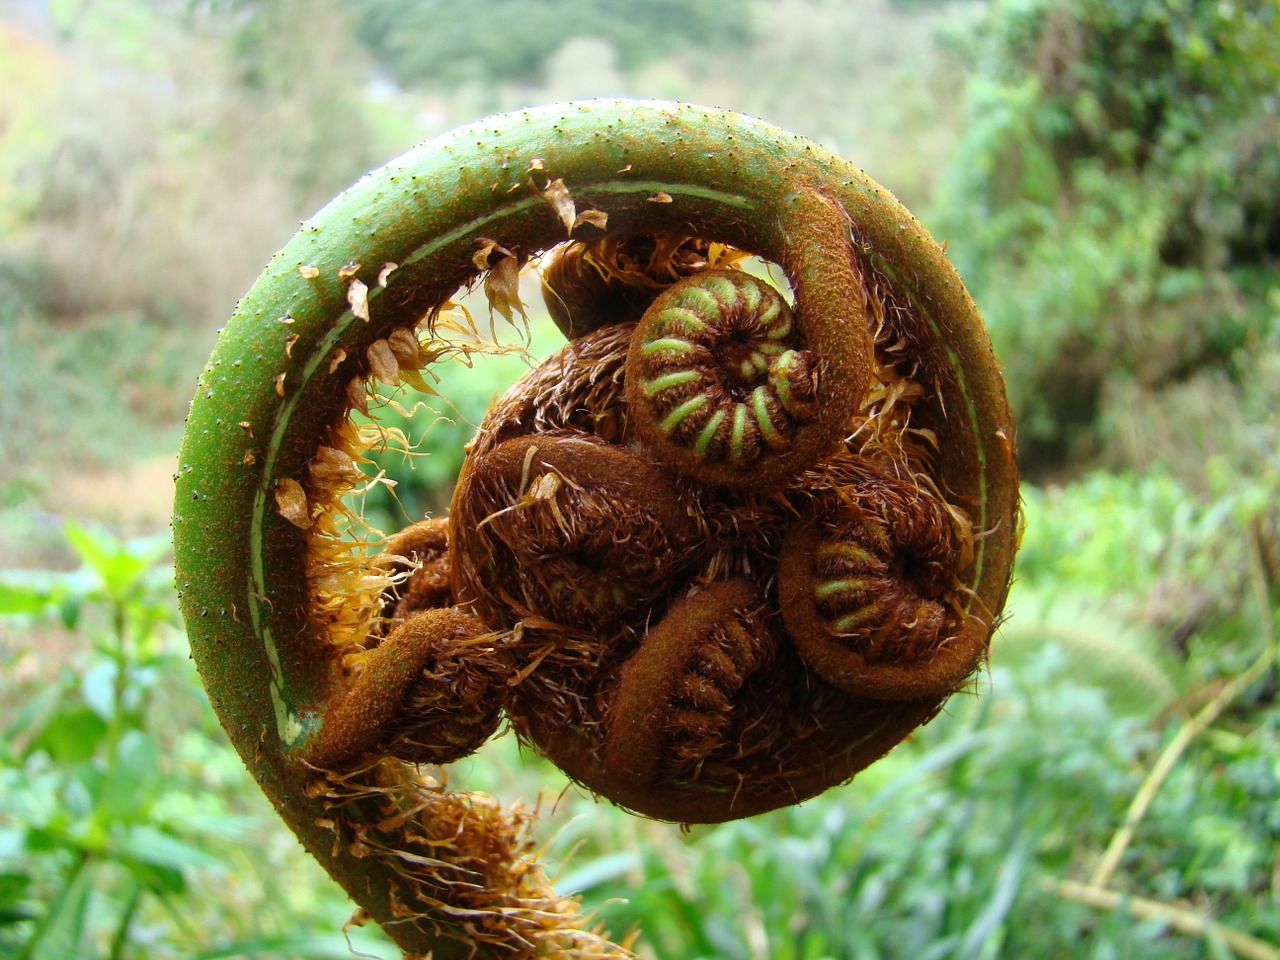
(635, 623)
(711, 557)
(568, 528)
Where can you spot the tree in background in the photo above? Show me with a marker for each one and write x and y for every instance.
(447, 43)
(181, 133)
(1115, 205)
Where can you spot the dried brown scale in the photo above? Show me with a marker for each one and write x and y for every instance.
(578, 387)
(894, 322)
(905, 348)
(418, 557)
(460, 856)
(739, 529)
(580, 298)
(563, 679)
(613, 280)
(563, 661)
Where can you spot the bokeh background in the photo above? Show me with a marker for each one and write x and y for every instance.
(1106, 174)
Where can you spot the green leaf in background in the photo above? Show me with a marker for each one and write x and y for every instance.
(983, 937)
(119, 565)
(23, 592)
(34, 592)
(98, 687)
(62, 929)
(129, 784)
(166, 882)
(150, 845)
(72, 735)
(31, 715)
(306, 947)
(13, 890)
(596, 872)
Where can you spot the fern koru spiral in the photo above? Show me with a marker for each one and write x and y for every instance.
(748, 528)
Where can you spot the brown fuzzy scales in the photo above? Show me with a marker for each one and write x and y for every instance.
(455, 703)
(318, 653)
(578, 543)
(457, 856)
(614, 279)
(577, 388)
(566, 528)
(641, 604)
(675, 695)
(419, 555)
(864, 583)
(421, 694)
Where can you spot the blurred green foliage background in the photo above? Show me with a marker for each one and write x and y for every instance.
(1107, 178)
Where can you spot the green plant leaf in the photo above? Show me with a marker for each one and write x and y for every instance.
(599, 871)
(13, 886)
(36, 711)
(13, 889)
(986, 927)
(40, 840)
(306, 947)
(72, 735)
(98, 687)
(62, 930)
(35, 592)
(129, 783)
(69, 611)
(10, 916)
(148, 845)
(164, 881)
(119, 565)
(21, 593)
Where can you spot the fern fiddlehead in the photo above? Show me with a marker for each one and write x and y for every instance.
(714, 519)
